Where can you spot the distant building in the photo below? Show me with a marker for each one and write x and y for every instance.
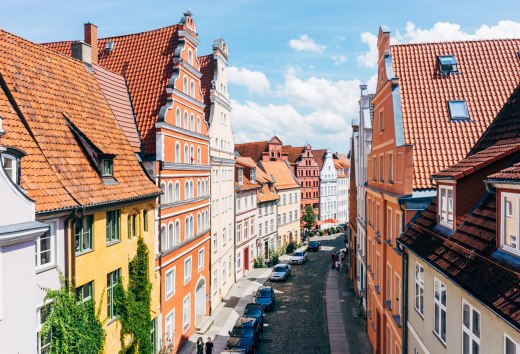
(328, 192)
(267, 213)
(342, 169)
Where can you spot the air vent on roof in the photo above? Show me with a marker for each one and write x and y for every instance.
(110, 46)
(447, 64)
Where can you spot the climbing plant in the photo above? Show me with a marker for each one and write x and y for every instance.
(73, 325)
(133, 304)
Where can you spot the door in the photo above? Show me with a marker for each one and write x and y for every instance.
(246, 258)
(378, 333)
(266, 249)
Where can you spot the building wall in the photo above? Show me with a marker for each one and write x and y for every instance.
(267, 217)
(421, 327)
(246, 227)
(308, 173)
(342, 198)
(222, 177)
(288, 216)
(328, 190)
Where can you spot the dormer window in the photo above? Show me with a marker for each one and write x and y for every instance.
(458, 110)
(510, 220)
(10, 160)
(241, 176)
(107, 167)
(447, 64)
(253, 175)
(446, 206)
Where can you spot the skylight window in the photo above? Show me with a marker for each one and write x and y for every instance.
(458, 110)
(447, 64)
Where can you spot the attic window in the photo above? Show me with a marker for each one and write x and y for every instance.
(11, 167)
(447, 64)
(458, 110)
(107, 167)
(253, 175)
(110, 46)
(446, 206)
(240, 176)
(510, 230)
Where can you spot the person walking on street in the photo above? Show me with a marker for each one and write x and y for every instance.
(209, 346)
(333, 260)
(200, 346)
(337, 265)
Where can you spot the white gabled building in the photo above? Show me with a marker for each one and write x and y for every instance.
(218, 114)
(328, 190)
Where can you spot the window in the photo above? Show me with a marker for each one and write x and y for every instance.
(510, 220)
(201, 260)
(239, 260)
(446, 206)
(85, 292)
(215, 281)
(439, 310)
(447, 64)
(398, 226)
(170, 283)
(164, 246)
(239, 233)
(185, 125)
(186, 313)
(44, 342)
(112, 218)
(112, 279)
(187, 270)
(246, 230)
(374, 168)
(192, 154)
(190, 56)
(192, 94)
(381, 167)
(83, 233)
(199, 156)
(145, 220)
(388, 287)
(389, 230)
(107, 167)
(132, 226)
(470, 329)
(381, 121)
(177, 191)
(198, 124)
(458, 110)
(11, 167)
(170, 236)
(397, 286)
(253, 175)
(170, 325)
(45, 247)
(177, 153)
(185, 86)
(419, 288)
(177, 232)
(390, 161)
(510, 346)
(170, 192)
(240, 176)
(178, 117)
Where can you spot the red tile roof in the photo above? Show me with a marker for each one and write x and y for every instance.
(116, 93)
(246, 164)
(488, 72)
(280, 170)
(319, 156)
(207, 69)
(510, 173)
(252, 150)
(293, 152)
(265, 181)
(51, 90)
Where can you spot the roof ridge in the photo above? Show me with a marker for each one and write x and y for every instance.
(454, 41)
(140, 33)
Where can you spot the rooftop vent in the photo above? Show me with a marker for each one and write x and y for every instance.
(447, 64)
(110, 46)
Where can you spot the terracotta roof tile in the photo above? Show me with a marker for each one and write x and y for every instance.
(207, 69)
(293, 152)
(50, 89)
(488, 72)
(284, 179)
(252, 150)
(319, 156)
(264, 193)
(510, 173)
(246, 164)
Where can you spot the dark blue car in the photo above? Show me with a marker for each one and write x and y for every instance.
(265, 297)
(245, 335)
(255, 311)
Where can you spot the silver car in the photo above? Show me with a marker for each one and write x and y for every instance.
(298, 257)
(280, 272)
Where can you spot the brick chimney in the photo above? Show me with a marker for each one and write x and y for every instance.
(91, 37)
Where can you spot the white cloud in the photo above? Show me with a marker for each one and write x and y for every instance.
(440, 32)
(305, 43)
(254, 81)
(338, 59)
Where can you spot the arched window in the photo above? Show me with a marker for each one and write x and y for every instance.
(177, 191)
(177, 232)
(199, 225)
(187, 228)
(186, 154)
(185, 85)
(170, 235)
(185, 120)
(192, 89)
(192, 154)
(198, 189)
(206, 223)
(178, 117)
(192, 122)
(186, 190)
(163, 193)
(170, 192)
(190, 56)
(198, 124)
(177, 152)
(191, 189)
(163, 238)
(199, 156)
(192, 227)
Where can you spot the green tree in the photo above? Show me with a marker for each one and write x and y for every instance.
(309, 217)
(133, 305)
(73, 325)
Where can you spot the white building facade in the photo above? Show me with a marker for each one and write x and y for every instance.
(328, 190)
(267, 211)
(222, 176)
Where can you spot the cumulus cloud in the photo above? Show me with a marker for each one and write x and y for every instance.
(440, 32)
(305, 43)
(254, 81)
(338, 59)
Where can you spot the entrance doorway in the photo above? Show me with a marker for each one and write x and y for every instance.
(378, 333)
(200, 302)
(266, 249)
(246, 258)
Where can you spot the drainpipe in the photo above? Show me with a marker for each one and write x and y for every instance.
(69, 253)
(159, 233)
(404, 286)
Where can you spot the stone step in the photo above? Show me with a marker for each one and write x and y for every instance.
(203, 323)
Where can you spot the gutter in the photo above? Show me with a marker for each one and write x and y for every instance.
(404, 287)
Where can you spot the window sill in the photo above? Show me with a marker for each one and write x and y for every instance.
(388, 304)
(420, 314)
(84, 252)
(111, 243)
(397, 320)
(45, 268)
(186, 281)
(389, 243)
(396, 250)
(376, 288)
(169, 296)
(185, 327)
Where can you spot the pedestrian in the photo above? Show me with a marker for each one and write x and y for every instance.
(337, 265)
(200, 346)
(209, 346)
(333, 260)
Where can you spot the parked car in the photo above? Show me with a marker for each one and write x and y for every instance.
(255, 311)
(245, 335)
(280, 272)
(314, 246)
(299, 256)
(265, 297)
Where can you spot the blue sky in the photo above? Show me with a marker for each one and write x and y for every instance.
(296, 65)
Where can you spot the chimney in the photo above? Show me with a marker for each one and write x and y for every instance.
(82, 51)
(91, 37)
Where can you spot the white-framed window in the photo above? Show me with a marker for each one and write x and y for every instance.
(470, 329)
(187, 270)
(419, 288)
(46, 246)
(177, 152)
(510, 220)
(185, 85)
(239, 260)
(200, 260)
(170, 325)
(186, 313)
(397, 296)
(44, 342)
(239, 233)
(163, 193)
(190, 56)
(510, 346)
(192, 94)
(215, 278)
(178, 117)
(177, 232)
(439, 309)
(446, 206)
(240, 175)
(169, 286)
(10, 164)
(85, 292)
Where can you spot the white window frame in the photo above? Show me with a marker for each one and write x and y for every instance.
(53, 229)
(444, 214)
(186, 313)
(239, 260)
(169, 322)
(171, 292)
(439, 306)
(469, 331)
(419, 285)
(200, 259)
(504, 216)
(517, 345)
(39, 328)
(187, 270)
